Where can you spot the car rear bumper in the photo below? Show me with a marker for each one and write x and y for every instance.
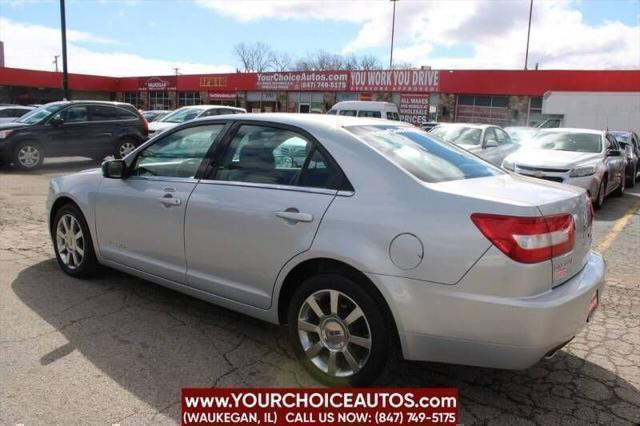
(440, 323)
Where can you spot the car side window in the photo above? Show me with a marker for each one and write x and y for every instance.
(374, 114)
(502, 136)
(126, 115)
(102, 113)
(490, 135)
(5, 113)
(348, 112)
(268, 155)
(178, 154)
(211, 112)
(74, 114)
(18, 112)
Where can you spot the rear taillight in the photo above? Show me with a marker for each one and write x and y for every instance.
(528, 239)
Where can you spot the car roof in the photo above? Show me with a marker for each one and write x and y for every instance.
(16, 106)
(363, 103)
(572, 130)
(302, 120)
(205, 107)
(111, 103)
(472, 125)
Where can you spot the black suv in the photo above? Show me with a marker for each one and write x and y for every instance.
(72, 128)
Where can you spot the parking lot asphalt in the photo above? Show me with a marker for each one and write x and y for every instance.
(117, 349)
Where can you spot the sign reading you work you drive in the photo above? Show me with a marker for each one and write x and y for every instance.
(395, 80)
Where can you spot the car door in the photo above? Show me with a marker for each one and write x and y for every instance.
(615, 163)
(140, 219)
(505, 145)
(105, 124)
(260, 208)
(72, 136)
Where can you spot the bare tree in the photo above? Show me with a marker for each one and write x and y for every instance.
(281, 61)
(256, 57)
(369, 62)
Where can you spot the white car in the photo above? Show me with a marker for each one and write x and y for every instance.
(369, 238)
(590, 159)
(9, 113)
(188, 113)
(370, 109)
(485, 140)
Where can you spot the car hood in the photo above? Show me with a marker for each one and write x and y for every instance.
(551, 159)
(12, 125)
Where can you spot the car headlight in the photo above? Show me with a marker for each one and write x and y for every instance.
(583, 171)
(508, 165)
(5, 133)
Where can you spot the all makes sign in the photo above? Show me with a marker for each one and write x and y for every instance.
(414, 108)
(395, 81)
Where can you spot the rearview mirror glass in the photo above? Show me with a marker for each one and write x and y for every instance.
(114, 169)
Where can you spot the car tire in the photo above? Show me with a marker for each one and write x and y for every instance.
(124, 147)
(72, 242)
(346, 343)
(620, 190)
(28, 155)
(602, 189)
(632, 179)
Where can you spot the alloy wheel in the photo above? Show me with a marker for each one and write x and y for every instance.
(28, 156)
(126, 148)
(334, 333)
(70, 241)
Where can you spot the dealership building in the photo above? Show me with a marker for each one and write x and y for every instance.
(503, 97)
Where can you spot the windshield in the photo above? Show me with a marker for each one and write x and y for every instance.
(568, 141)
(181, 115)
(459, 135)
(39, 114)
(425, 157)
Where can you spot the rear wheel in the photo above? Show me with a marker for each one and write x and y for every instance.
(72, 242)
(338, 331)
(125, 146)
(28, 155)
(597, 204)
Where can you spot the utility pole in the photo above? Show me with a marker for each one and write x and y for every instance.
(526, 55)
(55, 61)
(393, 28)
(65, 76)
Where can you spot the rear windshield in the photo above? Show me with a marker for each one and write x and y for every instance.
(459, 135)
(427, 158)
(568, 141)
(622, 136)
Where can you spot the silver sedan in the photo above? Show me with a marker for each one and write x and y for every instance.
(370, 239)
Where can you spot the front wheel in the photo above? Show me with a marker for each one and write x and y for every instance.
(72, 243)
(28, 156)
(602, 189)
(338, 331)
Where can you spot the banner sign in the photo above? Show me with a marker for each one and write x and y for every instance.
(226, 96)
(156, 83)
(395, 81)
(281, 406)
(414, 108)
(303, 80)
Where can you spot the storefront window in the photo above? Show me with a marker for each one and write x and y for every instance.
(262, 101)
(306, 102)
(132, 98)
(189, 98)
(483, 109)
(535, 111)
(159, 99)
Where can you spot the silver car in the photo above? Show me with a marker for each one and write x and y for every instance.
(590, 159)
(383, 242)
(486, 141)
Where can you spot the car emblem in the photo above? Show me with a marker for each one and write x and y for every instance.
(538, 174)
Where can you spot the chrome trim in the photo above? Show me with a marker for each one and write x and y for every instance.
(164, 179)
(270, 186)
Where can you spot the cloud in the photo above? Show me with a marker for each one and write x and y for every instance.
(496, 31)
(34, 46)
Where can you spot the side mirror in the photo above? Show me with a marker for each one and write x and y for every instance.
(491, 143)
(114, 169)
(613, 153)
(56, 120)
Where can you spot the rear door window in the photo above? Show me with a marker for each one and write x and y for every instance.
(373, 114)
(348, 112)
(425, 157)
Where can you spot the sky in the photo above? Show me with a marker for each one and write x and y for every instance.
(152, 37)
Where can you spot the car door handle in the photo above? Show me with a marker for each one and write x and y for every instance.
(295, 216)
(169, 201)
